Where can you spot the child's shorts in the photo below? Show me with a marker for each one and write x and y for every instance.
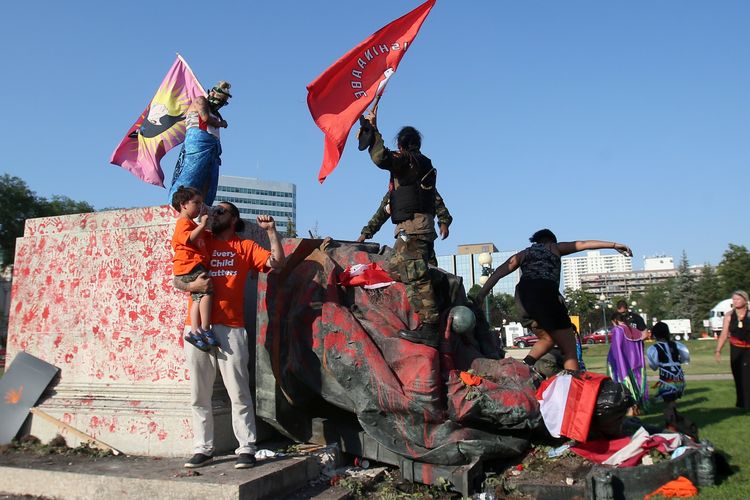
(191, 276)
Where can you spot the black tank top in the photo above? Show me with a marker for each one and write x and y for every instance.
(540, 264)
(735, 331)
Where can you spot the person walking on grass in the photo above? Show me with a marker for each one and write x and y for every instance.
(736, 329)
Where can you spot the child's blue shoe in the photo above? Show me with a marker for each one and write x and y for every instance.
(210, 338)
(197, 341)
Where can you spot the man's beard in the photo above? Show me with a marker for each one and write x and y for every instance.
(218, 226)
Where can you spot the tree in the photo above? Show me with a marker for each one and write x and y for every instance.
(682, 297)
(654, 300)
(61, 205)
(734, 270)
(20, 203)
(707, 293)
(291, 228)
(582, 304)
(503, 307)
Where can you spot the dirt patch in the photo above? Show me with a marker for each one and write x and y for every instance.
(538, 468)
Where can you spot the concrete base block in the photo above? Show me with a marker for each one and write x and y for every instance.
(141, 478)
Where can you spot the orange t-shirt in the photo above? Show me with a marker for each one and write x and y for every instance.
(187, 255)
(229, 264)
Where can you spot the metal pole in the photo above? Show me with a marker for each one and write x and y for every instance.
(604, 322)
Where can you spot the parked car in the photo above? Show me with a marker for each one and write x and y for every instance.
(525, 341)
(597, 337)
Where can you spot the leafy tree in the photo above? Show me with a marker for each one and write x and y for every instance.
(20, 203)
(503, 307)
(583, 304)
(734, 270)
(61, 205)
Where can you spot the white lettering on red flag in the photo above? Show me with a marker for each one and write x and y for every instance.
(343, 91)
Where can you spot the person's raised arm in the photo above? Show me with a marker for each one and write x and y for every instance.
(277, 258)
(196, 233)
(568, 247)
(504, 270)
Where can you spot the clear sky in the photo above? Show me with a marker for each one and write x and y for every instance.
(618, 120)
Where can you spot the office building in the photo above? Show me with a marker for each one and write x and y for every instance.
(465, 263)
(254, 197)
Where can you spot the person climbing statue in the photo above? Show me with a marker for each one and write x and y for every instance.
(200, 156)
(412, 205)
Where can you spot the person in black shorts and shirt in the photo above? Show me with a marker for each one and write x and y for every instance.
(630, 318)
(538, 292)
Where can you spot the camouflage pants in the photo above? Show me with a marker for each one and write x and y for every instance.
(408, 264)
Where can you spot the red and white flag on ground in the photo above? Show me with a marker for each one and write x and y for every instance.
(567, 404)
(160, 127)
(341, 93)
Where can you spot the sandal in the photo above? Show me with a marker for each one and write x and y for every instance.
(209, 337)
(197, 341)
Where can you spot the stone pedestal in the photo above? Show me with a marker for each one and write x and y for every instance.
(92, 294)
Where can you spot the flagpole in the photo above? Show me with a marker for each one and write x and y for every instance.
(375, 103)
(191, 72)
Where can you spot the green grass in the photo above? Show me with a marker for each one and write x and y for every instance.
(701, 359)
(710, 404)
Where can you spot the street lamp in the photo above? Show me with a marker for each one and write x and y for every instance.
(603, 304)
(485, 260)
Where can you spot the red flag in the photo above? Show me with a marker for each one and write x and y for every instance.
(567, 403)
(342, 92)
(160, 127)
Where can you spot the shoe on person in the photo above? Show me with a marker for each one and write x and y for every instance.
(426, 334)
(197, 341)
(209, 338)
(245, 461)
(198, 460)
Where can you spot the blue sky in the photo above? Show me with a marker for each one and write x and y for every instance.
(624, 120)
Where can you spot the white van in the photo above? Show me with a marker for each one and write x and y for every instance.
(679, 328)
(716, 315)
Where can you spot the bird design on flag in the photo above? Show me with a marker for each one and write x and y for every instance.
(13, 396)
(164, 121)
(158, 121)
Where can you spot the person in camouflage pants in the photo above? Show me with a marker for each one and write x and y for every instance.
(412, 201)
(383, 213)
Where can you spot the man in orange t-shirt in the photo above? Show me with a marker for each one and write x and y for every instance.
(230, 261)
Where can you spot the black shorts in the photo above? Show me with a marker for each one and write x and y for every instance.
(540, 301)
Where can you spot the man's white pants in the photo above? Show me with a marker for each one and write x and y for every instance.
(231, 359)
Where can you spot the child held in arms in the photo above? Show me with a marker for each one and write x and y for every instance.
(191, 260)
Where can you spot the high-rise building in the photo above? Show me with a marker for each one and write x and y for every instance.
(465, 263)
(658, 263)
(254, 197)
(593, 262)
